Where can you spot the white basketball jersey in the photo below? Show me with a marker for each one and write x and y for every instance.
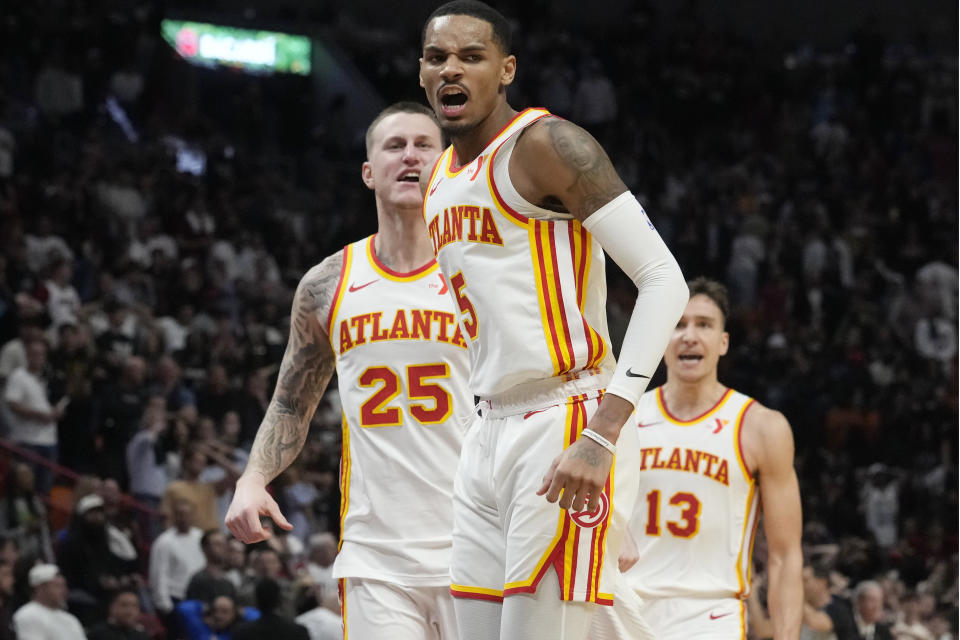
(696, 511)
(529, 283)
(402, 374)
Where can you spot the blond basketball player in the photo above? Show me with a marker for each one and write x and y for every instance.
(520, 210)
(378, 311)
(710, 459)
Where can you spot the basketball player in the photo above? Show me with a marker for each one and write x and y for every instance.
(518, 209)
(710, 458)
(379, 312)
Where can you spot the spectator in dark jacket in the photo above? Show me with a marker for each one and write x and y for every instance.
(270, 625)
(122, 623)
(211, 581)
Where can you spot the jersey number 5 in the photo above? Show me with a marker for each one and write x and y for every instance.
(689, 522)
(466, 307)
(376, 412)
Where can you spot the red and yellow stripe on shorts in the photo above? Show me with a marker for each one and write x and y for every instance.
(579, 546)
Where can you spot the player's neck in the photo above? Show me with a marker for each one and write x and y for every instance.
(402, 242)
(472, 143)
(687, 400)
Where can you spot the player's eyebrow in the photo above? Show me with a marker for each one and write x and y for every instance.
(477, 46)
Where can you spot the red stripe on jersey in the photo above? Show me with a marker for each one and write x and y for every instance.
(507, 209)
(571, 364)
(545, 292)
(579, 268)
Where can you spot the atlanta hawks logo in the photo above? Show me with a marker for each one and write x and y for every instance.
(590, 519)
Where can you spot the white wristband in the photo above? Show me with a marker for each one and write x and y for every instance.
(600, 440)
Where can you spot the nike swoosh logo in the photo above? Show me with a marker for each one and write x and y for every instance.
(432, 191)
(722, 615)
(649, 424)
(631, 374)
(354, 287)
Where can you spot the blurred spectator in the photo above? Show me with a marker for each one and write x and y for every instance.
(216, 397)
(13, 355)
(271, 623)
(323, 551)
(33, 419)
(6, 601)
(910, 625)
(211, 580)
(120, 407)
(170, 385)
(868, 612)
(122, 623)
(95, 559)
(215, 620)
(236, 562)
(44, 617)
(61, 299)
(252, 406)
(266, 562)
(72, 363)
(881, 504)
(148, 474)
(23, 516)
(201, 494)
(824, 615)
(318, 610)
(175, 556)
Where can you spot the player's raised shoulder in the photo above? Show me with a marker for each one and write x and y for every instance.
(766, 436)
(558, 162)
(318, 286)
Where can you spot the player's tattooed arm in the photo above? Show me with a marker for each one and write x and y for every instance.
(559, 166)
(307, 366)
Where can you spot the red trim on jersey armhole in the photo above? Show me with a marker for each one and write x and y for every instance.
(426, 194)
(743, 416)
(372, 252)
(338, 292)
(663, 403)
(513, 213)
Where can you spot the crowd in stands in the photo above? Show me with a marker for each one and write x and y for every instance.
(156, 217)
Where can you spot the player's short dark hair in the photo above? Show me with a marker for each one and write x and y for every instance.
(404, 106)
(205, 538)
(116, 593)
(714, 290)
(820, 570)
(479, 10)
(267, 594)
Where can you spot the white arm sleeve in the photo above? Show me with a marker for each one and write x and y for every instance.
(626, 234)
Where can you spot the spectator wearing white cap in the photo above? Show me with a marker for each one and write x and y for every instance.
(44, 617)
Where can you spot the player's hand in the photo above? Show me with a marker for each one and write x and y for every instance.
(577, 476)
(250, 501)
(629, 554)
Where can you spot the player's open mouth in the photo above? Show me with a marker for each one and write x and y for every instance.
(452, 102)
(409, 176)
(690, 357)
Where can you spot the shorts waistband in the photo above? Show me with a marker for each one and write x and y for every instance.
(544, 393)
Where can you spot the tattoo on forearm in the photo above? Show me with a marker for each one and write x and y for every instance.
(308, 364)
(596, 182)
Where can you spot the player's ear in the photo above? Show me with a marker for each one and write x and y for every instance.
(724, 343)
(420, 72)
(508, 70)
(366, 174)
